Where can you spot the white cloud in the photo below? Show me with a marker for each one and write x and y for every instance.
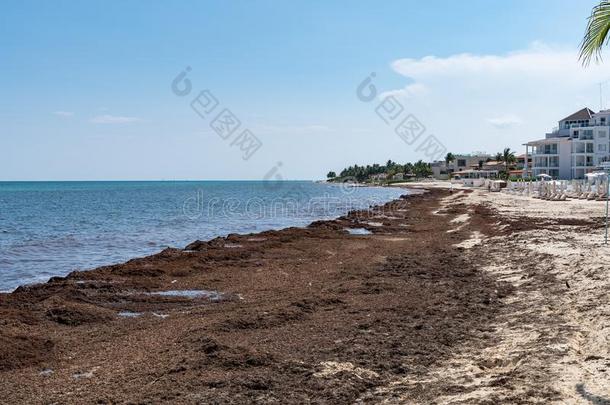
(409, 91)
(64, 114)
(522, 94)
(113, 119)
(505, 121)
(538, 61)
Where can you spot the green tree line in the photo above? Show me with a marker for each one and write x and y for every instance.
(362, 173)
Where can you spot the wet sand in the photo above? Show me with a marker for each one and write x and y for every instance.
(436, 305)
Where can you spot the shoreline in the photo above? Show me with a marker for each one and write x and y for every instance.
(252, 215)
(441, 302)
(78, 313)
(410, 191)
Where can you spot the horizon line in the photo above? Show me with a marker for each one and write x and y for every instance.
(150, 180)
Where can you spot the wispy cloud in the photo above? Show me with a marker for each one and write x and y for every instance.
(539, 60)
(113, 119)
(64, 114)
(505, 121)
(490, 101)
(410, 91)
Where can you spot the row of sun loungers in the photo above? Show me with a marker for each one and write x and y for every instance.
(560, 190)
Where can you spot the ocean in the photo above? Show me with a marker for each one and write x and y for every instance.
(52, 228)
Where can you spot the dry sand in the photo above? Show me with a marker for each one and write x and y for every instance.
(555, 329)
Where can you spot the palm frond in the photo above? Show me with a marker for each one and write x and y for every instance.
(596, 34)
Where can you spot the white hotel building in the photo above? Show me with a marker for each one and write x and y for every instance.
(577, 146)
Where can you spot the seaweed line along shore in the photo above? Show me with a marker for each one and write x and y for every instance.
(443, 295)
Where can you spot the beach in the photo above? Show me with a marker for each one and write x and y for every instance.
(442, 296)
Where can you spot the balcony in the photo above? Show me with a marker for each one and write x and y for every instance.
(582, 125)
(558, 133)
(580, 146)
(545, 150)
(579, 125)
(583, 162)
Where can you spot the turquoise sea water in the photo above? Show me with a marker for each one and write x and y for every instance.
(52, 228)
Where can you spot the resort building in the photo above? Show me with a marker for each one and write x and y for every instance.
(475, 177)
(379, 176)
(520, 167)
(493, 165)
(579, 145)
(473, 161)
(439, 170)
(466, 162)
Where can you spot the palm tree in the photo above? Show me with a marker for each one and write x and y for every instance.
(498, 157)
(409, 169)
(508, 157)
(421, 169)
(596, 34)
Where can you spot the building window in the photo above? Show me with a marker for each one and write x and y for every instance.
(541, 162)
(549, 149)
(589, 147)
(578, 147)
(601, 134)
(461, 162)
(601, 147)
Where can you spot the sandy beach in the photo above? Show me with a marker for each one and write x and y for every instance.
(461, 297)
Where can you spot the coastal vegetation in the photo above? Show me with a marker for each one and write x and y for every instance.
(388, 172)
(450, 157)
(396, 172)
(508, 158)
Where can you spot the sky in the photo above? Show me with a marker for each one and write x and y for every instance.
(91, 90)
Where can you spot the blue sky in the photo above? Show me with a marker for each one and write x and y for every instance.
(86, 85)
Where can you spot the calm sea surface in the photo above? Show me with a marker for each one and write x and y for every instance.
(52, 228)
